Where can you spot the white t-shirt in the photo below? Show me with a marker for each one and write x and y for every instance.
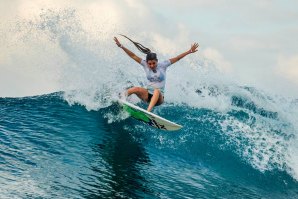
(156, 79)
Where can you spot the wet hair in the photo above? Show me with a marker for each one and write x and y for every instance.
(151, 56)
(143, 49)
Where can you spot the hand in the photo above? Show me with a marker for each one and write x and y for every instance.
(194, 47)
(117, 42)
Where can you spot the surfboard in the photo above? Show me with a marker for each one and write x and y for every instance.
(148, 117)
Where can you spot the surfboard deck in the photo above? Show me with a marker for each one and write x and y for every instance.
(148, 117)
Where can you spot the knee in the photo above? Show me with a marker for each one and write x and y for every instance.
(156, 91)
(134, 90)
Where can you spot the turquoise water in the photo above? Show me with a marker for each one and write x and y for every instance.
(50, 149)
(237, 141)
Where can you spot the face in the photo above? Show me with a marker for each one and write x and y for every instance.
(152, 64)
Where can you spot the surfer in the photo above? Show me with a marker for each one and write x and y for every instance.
(155, 72)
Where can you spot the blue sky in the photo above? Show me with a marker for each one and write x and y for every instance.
(253, 41)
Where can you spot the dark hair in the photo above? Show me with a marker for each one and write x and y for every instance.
(143, 49)
(151, 56)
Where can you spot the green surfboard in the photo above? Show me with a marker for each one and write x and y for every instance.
(148, 117)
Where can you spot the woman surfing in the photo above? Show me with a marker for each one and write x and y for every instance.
(155, 73)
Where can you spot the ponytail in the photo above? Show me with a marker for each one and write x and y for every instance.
(139, 46)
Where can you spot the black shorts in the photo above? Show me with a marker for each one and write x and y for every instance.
(149, 99)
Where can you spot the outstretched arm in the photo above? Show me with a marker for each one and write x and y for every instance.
(128, 52)
(193, 49)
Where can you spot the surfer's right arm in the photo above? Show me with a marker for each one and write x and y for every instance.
(128, 52)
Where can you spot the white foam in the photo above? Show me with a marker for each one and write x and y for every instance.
(92, 70)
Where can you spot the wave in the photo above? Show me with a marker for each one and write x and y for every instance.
(242, 145)
(232, 127)
(262, 139)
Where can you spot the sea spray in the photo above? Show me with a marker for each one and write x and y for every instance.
(221, 118)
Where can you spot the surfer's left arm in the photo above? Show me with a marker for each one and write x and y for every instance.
(192, 49)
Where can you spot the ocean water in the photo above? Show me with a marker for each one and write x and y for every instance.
(238, 141)
(51, 149)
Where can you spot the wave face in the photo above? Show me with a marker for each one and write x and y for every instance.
(237, 141)
(52, 149)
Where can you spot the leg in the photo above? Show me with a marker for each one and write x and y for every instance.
(142, 93)
(156, 99)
